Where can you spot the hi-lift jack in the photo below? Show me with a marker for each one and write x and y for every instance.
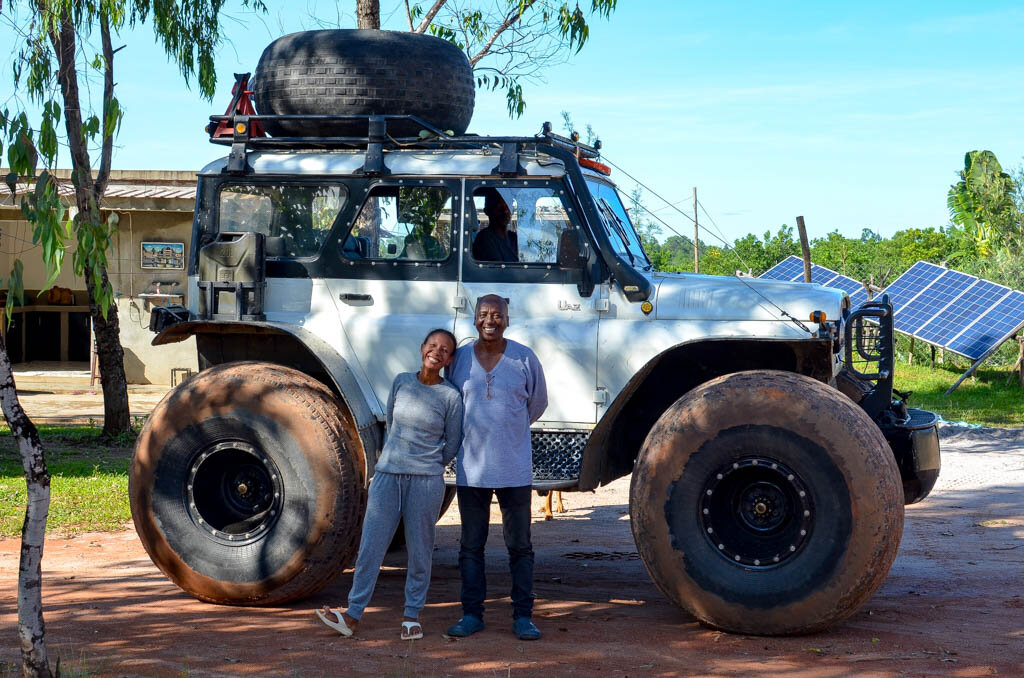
(238, 125)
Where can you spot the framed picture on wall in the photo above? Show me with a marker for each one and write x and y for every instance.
(163, 255)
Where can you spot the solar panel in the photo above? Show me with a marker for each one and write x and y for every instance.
(858, 297)
(790, 268)
(992, 328)
(964, 310)
(954, 310)
(912, 316)
(912, 282)
(822, 275)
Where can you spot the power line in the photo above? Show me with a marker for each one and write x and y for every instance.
(728, 248)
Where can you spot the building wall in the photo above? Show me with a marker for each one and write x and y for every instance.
(144, 363)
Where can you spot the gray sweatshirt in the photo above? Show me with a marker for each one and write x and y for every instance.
(424, 427)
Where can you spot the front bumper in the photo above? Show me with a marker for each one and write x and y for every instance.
(915, 444)
(870, 359)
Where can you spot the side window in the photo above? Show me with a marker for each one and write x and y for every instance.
(402, 223)
(521, 225)
(295, 218)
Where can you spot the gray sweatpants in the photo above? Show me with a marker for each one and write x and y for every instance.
(393, 496)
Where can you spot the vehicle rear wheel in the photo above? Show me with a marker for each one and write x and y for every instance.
(360, 73)
(246, 485)
(766, 503)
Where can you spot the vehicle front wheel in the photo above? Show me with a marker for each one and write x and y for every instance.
(247, 485)
(766, 503)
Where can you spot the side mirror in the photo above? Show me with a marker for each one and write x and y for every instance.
(570, 253)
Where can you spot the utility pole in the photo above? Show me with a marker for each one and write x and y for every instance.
(696, 234)
(806, 248)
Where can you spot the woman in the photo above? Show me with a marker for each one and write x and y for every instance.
(424, 430)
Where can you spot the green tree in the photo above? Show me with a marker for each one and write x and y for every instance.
(56, 54)
(508, 42)
(985, 202)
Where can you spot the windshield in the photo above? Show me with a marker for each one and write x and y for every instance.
(620, 229)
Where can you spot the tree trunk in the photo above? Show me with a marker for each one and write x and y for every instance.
(116, 414)
(368, 13)
(88, 195)
(31, 629)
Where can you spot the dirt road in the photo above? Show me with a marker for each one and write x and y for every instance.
(952, 605)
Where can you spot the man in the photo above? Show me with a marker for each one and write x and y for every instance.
(496, 242)
(503, 392)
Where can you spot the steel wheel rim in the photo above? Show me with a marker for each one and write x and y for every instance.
(756, 512)
(234, 492)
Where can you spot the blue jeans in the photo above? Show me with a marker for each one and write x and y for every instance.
(475, 511)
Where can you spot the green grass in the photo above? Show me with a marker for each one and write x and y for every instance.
(88, 482)
(987, 400)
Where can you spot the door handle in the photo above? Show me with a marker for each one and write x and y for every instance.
(352, 298)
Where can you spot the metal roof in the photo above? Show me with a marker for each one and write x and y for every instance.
(117, 191)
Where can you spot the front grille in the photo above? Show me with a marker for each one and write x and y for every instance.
(557, 456)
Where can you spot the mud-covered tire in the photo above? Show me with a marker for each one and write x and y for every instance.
(246, 485)
(766, 503)
(363, 72)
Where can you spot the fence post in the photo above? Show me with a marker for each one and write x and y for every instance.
(805, 248)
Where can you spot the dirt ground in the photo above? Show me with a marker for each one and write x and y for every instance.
(953, 604)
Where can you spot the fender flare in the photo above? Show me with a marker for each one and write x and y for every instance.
(343, 378)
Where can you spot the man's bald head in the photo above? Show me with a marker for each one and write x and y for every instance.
(491, 317)
(493, 300)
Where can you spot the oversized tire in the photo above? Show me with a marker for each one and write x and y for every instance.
(766, 503)
(247, 485)
(363, 72)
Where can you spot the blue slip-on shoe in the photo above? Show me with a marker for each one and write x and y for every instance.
(525, 629)
(466, 626)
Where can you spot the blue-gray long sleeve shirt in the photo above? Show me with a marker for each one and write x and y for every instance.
(424, 427)
(499, 407)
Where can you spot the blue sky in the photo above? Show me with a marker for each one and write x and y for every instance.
(855, 115)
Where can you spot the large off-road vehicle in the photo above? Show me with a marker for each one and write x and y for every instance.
(770, 460)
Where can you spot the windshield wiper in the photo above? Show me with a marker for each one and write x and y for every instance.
(620, 231)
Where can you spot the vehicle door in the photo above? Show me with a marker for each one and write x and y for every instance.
(547, 313)
(397, 274)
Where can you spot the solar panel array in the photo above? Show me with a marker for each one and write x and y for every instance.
(792, 269)
(959, 312)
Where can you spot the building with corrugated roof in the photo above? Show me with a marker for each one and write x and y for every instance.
(146, 264)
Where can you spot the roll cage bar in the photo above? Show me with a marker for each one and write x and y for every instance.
(243, 130)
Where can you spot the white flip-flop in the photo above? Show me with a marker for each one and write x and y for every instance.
(408, 632)
(340, 626)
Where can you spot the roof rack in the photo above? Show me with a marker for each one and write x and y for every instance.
(243, 129)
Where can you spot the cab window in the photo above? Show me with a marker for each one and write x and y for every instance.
(402, 223)
(296, 219)
(521, 225)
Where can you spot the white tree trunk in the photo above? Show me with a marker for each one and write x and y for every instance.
(31, 630)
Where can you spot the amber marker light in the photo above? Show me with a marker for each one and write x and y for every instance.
(647, 307)
(817, 317)
(240, 128)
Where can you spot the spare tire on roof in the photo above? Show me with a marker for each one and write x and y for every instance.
(363, 72)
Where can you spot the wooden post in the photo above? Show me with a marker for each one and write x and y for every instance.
(1020, 361)
(910, 356)
(696, 235)
(942, 356)
(933, 357)
(805, 248)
